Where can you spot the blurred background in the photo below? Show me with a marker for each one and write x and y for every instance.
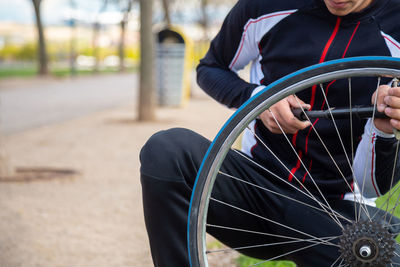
(83, 85)
(95, 35)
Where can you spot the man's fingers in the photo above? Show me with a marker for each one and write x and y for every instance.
(288, 122)
(395, 123)
(393, 98)
(296, 102)
(393, 113)
(392, 101)
(270, 122)
(394, 91)
(388, 101)
(279, 118)
(382, 93)
(298, 125)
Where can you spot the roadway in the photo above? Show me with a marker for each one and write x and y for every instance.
(33, 102)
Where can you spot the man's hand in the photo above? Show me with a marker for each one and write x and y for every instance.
(282, 111)
(388, 101)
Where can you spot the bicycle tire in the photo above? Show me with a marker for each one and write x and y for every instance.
(290, 84)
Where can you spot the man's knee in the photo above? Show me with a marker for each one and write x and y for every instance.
(163, 154)
(162, 145)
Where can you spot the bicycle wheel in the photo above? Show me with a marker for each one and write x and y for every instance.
(363, 239)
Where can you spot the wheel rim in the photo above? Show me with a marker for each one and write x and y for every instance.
(208, 173)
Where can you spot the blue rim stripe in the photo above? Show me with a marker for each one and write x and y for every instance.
(320, 65)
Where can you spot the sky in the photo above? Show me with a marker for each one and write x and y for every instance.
(16, 10)
(57, 11)
(53, 11)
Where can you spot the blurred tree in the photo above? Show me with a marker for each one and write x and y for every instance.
(204, 19)
(72, 51)
(167, 16)
(125, 6)
(42, 54)
(205, 7)
(146, 87)
(96, 32)
(5, 167)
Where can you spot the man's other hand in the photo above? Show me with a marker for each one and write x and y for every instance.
(388, 102)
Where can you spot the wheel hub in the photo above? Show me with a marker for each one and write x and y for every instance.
(365, 249)
(366, 244)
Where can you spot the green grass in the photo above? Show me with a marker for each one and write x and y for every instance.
(21, 72)
(381, 202)
(388, 205)
(213, 245)
(57, 72)
(247, 261)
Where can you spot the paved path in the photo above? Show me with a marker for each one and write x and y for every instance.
(93, 219)
(25, 104)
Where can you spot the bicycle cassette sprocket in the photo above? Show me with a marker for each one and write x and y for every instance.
(366, 244)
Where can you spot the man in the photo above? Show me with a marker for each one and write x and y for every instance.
(278, 37)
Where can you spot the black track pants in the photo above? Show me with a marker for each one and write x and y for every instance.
(169, 164)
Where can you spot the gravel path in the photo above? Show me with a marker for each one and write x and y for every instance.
(93, 218)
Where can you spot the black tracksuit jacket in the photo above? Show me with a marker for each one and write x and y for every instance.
(281, 36)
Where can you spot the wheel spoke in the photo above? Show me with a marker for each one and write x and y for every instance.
(369, 149)
(391, 225)
(266, 234)
(285, 254)
(392, 180)
(264, 218)
(334, 218)
(389, 196)
(333, 264)
(393, 209)
(344, 149)
(336, 128)
(274, 244)
(351, 120)
(352, 140)
(330, 155)
(309, 195)
(284, 196)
